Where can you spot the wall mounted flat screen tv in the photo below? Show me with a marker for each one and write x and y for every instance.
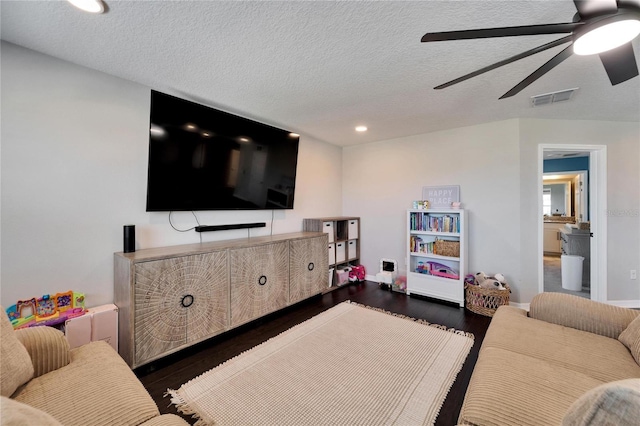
(201, 158)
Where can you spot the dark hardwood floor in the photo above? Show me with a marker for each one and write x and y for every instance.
(173, 371)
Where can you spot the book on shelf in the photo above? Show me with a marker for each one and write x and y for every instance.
(417, 245)
(421, 221)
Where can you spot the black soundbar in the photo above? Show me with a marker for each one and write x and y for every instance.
(208, 228)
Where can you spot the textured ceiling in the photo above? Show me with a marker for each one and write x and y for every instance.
(320, 68)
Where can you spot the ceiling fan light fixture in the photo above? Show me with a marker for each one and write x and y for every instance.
(606, 37)
(91, 6)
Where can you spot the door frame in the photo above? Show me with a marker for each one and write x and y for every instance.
(584, 178)
(597, 214)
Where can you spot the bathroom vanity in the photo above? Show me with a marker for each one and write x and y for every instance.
(551, 237)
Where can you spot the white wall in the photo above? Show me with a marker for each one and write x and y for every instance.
(73, 172)
(623, 192)
(382, 179)
(495, 165)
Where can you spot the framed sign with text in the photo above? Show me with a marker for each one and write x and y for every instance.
(441, 196)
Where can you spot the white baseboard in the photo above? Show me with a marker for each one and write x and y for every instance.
(633, 304)
(524, 306)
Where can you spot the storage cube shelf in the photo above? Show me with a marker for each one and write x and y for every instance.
(432, 237)
(344, 241)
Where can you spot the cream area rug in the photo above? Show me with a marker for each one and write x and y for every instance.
(346, 366)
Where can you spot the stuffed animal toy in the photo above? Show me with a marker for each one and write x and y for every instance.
(496, 282)
(492, 283)
(479, 277)
(500, 278)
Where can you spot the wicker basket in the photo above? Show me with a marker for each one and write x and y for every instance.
(485, 301)
(447, 248)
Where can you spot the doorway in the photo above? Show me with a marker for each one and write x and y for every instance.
(572, 206)
(564, 210)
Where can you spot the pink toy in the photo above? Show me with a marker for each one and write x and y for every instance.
(440, 270)
(357, 273)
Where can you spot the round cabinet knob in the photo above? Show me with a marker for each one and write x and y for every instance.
(311, 266)
(262, 280)
(186, 301)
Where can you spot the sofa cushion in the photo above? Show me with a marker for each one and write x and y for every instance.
(603, 358)
(630, 337)
(96, 388)
(14, 413)
(581, 314)
(16, 368)
(615, 403)
(48, 348)
(509, 388)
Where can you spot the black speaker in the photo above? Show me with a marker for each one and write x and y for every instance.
(208, 228)
(129, 238)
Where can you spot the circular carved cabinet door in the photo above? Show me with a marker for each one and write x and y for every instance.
(259, 281)
(179, 301)
(309, 268)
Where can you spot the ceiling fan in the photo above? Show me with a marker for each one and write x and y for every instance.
(603, 27)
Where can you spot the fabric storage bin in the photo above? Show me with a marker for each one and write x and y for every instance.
(353, 229)
(332, 254)
(327, 228)
(340, 252)
(352, 249)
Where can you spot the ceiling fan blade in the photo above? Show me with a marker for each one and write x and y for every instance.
(502, 32)
(590, 8)
(620, 63)
(564, 54)
(507, 61)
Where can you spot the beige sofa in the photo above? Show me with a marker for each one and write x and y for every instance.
(568, 361)
(44, 383)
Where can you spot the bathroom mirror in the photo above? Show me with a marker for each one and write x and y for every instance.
(557, 195)
(557, 198)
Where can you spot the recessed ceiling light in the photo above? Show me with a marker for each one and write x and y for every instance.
(91, 6)
(361, 128)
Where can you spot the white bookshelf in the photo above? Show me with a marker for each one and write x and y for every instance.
(424, 227)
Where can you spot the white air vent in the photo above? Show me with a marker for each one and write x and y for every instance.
(553, 97)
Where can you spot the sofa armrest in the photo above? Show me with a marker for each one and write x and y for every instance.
(582, 314)
(47, 347)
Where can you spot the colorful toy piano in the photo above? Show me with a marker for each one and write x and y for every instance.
(46, 310)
